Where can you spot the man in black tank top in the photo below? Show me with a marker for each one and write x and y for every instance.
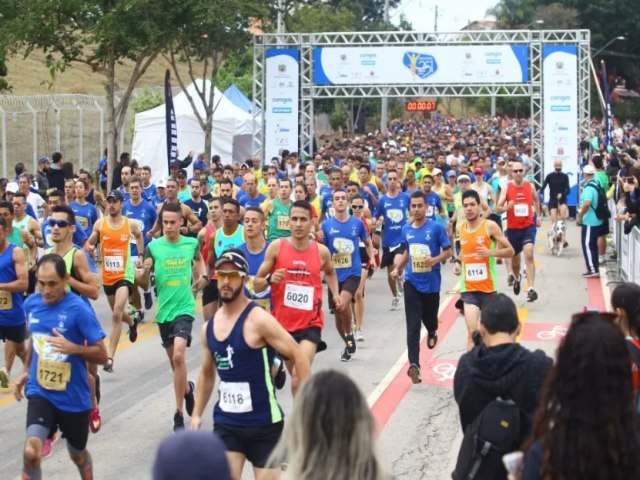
(241, 340)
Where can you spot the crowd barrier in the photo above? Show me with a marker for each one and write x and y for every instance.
(627, 247)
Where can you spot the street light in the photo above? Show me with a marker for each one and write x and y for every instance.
(621, 37)
(536, 22)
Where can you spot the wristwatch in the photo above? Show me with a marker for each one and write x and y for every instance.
(268, 278)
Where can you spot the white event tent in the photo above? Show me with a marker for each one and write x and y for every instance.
(231, 137)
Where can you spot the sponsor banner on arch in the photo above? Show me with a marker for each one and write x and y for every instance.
(282, 87)
(453, 64)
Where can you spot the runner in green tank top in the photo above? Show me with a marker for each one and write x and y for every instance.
(277, 212)
(173, 258)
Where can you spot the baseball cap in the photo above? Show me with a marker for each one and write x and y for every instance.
(477, 171)
(182, 173)
(588, 170)
(43, 159)
(417, 160)
(116, 195)
(244, 165)
(436, 171)
(191, 454)
(234, 256)
(162, 183)
(451, 173)
(463, 177)
(12, 187)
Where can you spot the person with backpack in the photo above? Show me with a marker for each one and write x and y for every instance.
(593, 219)
(496, 387)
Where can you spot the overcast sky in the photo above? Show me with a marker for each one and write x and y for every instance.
(452, 16)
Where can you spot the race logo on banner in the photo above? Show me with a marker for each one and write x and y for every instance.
(420, 64)
(171, 125)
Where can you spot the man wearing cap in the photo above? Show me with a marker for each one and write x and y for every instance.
(173, 258)
(183, 189)
(161, 192)
(590, 223)
(113, 232)
(241, 340)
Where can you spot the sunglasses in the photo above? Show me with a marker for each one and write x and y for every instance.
(232, 275)
(518, 171)
(357, 207)
(59, 223)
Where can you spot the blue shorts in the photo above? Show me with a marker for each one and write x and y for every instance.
(518, 238)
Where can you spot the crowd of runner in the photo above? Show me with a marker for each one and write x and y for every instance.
(259, 241)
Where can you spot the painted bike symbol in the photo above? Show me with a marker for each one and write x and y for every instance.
(445, 371)
(555, 332)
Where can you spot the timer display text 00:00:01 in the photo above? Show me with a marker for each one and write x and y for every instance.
(430, 106)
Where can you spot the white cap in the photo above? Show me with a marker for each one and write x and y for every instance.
(588, 170)
(12, 187)
(162, 183)
(464, 177)
(436, 171)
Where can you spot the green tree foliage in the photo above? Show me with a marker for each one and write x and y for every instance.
(366, 12)
(238, 71)
(99, 33)
(3, 73)
(322, 18)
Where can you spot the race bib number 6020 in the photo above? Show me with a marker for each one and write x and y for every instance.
(298, 296)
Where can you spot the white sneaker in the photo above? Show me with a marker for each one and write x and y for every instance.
(358, 336)
(602, 259)
(395, 304)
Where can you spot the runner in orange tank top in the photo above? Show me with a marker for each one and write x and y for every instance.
(475, 265)
(292, 266)
(205, 236)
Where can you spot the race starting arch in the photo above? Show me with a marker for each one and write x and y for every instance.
(551, 67)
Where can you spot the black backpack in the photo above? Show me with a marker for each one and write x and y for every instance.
(500, 428)
(601, 208)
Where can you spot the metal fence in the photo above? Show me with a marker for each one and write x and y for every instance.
(627, 249)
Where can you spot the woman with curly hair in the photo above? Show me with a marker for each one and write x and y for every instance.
(586, 427)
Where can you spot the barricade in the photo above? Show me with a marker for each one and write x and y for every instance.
(627, 246)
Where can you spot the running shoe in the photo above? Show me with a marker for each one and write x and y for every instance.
(140, 315)
(532, 295)
(511, 280)
(178, 421)
(96, 420)
(591, 274)
(414, 373)
(395, 304)
(345, 357)
(47, 445)
(97, 380)
(4, 378)
(358, 336)
(400, 287)
(516, 285)
(602, 259)
(281, 377)
(351, 343)
(189, 397)
(148, 300)
(133, 332)
(108, 367)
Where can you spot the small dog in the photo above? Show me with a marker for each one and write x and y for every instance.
(557, 237)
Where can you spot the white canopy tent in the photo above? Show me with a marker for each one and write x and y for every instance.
(231, 137)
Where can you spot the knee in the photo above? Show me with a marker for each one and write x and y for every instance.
(178, 358)
(359, 296)
(32, 452)
(118, 312)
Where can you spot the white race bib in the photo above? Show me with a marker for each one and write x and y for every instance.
(114, 263)
(521, 210)
(235, 397)
(298, 296)
(430, 210)
(475, 272)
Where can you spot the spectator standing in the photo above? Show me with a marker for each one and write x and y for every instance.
(591, 224)
(54, 173)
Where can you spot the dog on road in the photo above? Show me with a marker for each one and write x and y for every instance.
(557, 237)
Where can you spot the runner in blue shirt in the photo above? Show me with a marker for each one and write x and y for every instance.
(426, 244)
(391, 213)
(65, 335)
(432, 199)
(86, 214)
(326, 192)
(254, 248)
(197, 205)
(251, 197)
(342, 235)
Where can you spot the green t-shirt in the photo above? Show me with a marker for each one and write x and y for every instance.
(172, 264)
(278, 224)
(603, 179)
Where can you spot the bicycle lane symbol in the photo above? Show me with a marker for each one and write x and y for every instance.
(440, 372)
(544, 332)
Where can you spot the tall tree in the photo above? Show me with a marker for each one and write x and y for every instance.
(209, 33)
(3, 73)
(98, 33)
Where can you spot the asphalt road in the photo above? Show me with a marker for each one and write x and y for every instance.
(419, 432)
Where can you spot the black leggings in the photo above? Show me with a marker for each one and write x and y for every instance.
(420, 309)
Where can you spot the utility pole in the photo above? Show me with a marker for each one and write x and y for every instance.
(384, 105)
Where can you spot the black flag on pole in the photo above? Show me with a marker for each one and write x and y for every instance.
(172, 127)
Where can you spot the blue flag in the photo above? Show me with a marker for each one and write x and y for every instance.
(172, 127)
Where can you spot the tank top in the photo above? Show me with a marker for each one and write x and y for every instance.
(116, 253)
(246, 393)
(11, 311)
(15, 236)
(521, 215)
(68, 261)
(225, 242)
(478, 274)
(278, 225)
(297, 300)
(315, 203)
(204, 251)
(483, 190)
(22, 224)
(90, 198)
(441, 193)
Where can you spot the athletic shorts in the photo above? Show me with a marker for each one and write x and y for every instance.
(350, 285)
(180, 327)
(111, 289)
(476, 298)
(13, 333)
(388, 256)
(311, 334)
(255, 443)
(210, 293)
(520, 237)
(74, 425)
(31, 287)
(495, 217)
(555, 203)
(364, 257)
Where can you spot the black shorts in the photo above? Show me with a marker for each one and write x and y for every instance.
(519, 237)
(476, 298)
(364, 257)
(210, 293)
(495, 217)
(32, 282)
(555, 203)
(388, 256)
(311, 334)
(350, 285)
(180, 327)
(255, 443)
(111, 289)
(74, 425)
(13, 333)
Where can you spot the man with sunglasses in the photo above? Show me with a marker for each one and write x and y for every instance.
(240, 342)
(56, 198)
(173, 258)
(342, 235)
(520, 200)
